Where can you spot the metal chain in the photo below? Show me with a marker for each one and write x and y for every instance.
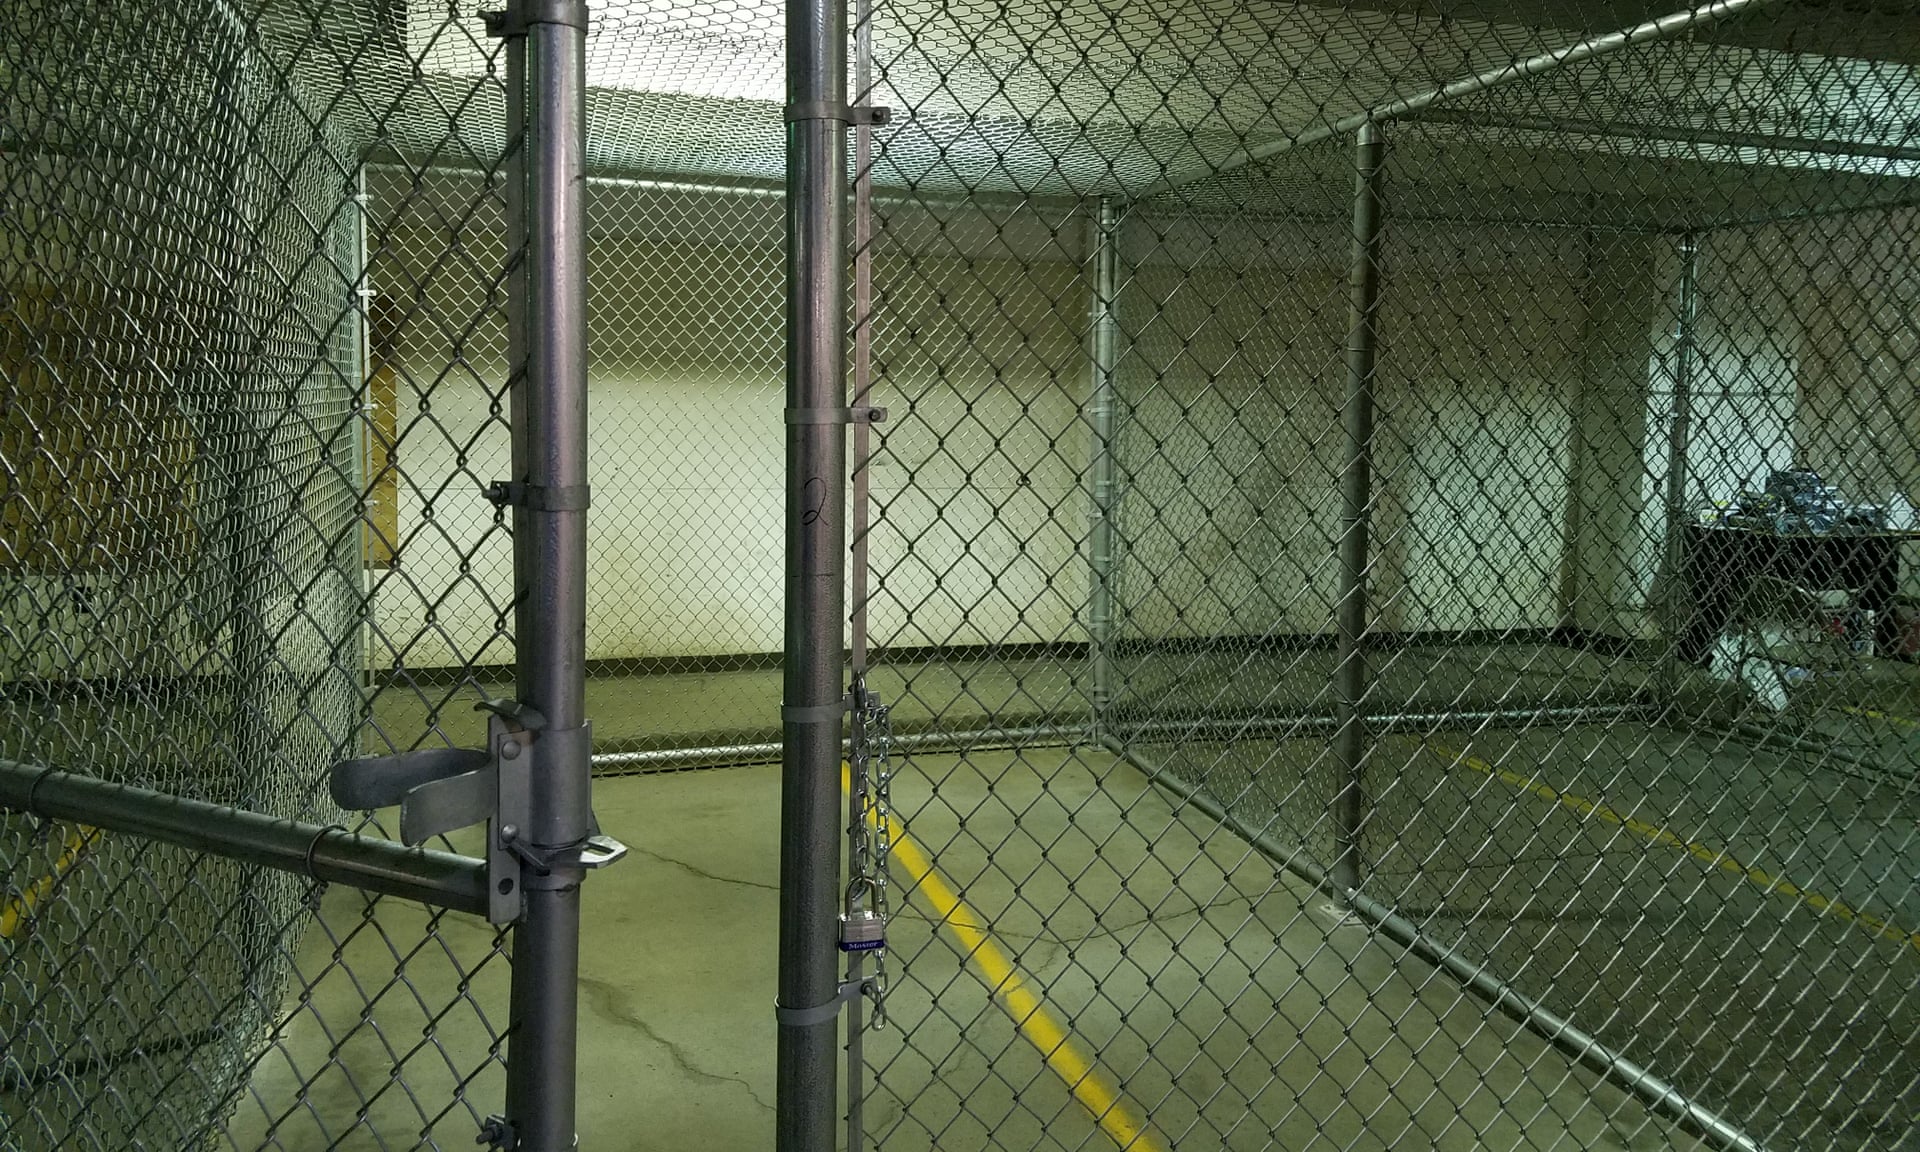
(870, 839)
(869, 829)
(877, 723)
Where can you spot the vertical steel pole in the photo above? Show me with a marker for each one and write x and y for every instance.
(1356, 497)
(1679, 437)
(551, 642)
(1101, 404)
(813, 693)
(515, 199)
(857, 796)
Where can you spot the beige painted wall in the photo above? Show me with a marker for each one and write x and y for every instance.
(1233, 447)
(1613, 543)
(977, 474)
(1522, 396)
(1806, 354)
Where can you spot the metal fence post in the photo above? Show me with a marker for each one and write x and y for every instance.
(1679, 437)
(813, 696)
(1105, 339)
(1356, 496)
(514, 203)
(551, 516)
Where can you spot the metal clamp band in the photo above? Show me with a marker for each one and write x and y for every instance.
(541, 497)
(852, 114)
(814, 713)
(820, 1013)
(836, 415)
(39, 779)
(313, 845)
(521, 15)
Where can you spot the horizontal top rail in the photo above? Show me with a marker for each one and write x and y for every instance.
(1664, 28)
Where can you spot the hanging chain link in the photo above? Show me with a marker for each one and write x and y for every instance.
(870, 821)
(870, 836)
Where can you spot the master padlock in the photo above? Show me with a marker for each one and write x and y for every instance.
(862, 930)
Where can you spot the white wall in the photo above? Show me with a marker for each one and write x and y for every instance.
(981, 515)
(686, 436)
(980, 357)
(1808, 354)
(1479, 362)
(1523, 378)
(1604, 586)
(1232, 451)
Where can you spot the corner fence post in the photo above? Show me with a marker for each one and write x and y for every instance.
(1351, 675)
(1100, 545)
(813, 694)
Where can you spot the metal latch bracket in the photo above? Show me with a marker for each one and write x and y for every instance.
(540, 497)
(441, 790)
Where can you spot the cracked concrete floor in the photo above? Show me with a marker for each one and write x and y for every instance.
(1228, 1006)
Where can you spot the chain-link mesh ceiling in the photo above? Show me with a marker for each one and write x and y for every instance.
(1083, 99)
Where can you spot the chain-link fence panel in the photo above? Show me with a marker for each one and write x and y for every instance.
(686, 242)
(688, 347)
(1404, 522)
(202, 422)
(685, 343)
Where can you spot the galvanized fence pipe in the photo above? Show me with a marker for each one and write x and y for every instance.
(514, 217)
(1671, 26)
(1105, 338)
(551, 504)
(1711, 136)
(1679, 440)
(326, 853)
(1351, 681)
(813, 693)
(974, 738)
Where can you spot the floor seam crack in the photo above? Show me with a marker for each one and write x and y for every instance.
(615, 1005)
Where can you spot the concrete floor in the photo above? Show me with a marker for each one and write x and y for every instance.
(1226, 1004)
(1745, 923)
(1231, 1009)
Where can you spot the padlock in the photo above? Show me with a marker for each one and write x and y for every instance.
(862, 931)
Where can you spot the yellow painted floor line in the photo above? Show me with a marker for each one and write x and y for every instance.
(1016, 997)
(1718, 857)
(20, 909)
(1890, 718)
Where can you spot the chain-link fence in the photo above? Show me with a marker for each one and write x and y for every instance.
(684, 634)
(206, 428)
(1383, 589)
(1426, 503)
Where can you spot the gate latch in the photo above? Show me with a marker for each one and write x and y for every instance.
(441, 790)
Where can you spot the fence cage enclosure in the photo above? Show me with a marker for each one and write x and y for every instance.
(1370, 549)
